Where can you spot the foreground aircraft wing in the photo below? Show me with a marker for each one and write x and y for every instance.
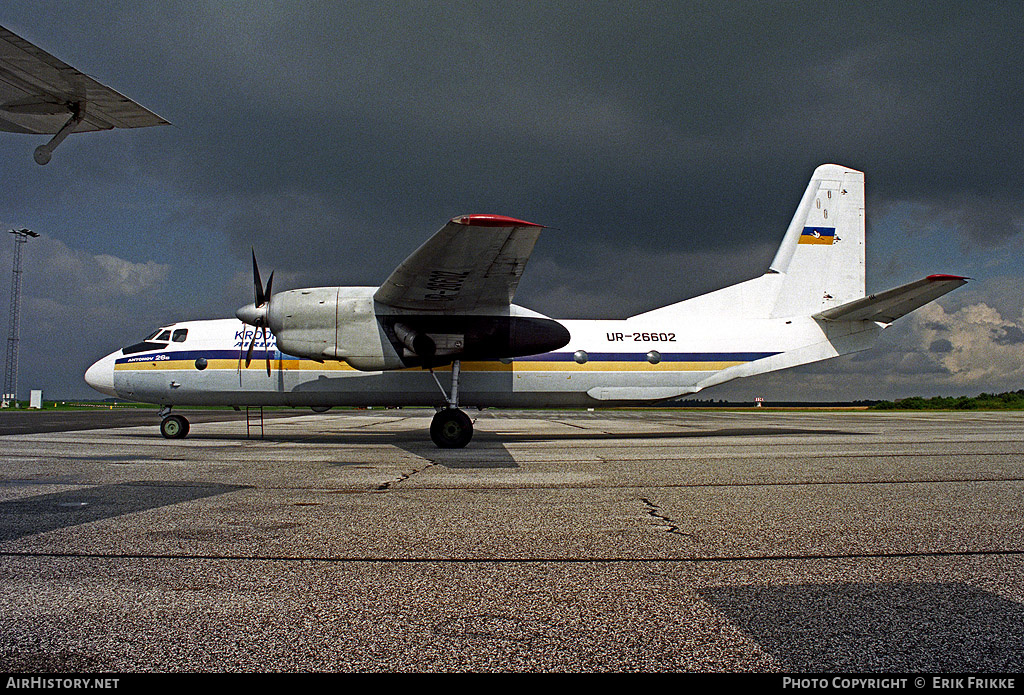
(41, 94)
(886, 307)
(472, 263)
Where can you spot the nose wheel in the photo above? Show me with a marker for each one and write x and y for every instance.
(174, 427)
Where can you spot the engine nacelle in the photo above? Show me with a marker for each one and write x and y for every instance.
(332, 323)
(344, 323)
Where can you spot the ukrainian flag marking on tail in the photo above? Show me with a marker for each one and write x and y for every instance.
(818, 235)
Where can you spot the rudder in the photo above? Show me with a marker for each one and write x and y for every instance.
(821, 257)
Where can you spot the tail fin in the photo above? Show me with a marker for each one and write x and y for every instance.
(821, 259)
(819, 266)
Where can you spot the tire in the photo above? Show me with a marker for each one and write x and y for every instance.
(451, 429)
(174, 427)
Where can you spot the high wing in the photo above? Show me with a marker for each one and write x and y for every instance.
(472, 264)
(887, 306)
(41, 94)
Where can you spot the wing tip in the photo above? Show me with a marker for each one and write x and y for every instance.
(492, 221)
(941, 277)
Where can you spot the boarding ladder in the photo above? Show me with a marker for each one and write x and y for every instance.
(253, 420)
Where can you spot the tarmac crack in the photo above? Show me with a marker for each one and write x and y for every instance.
(585, 428)
(387, 485)
(654, 511)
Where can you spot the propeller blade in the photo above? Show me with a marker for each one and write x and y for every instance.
(248, 353)
(257, 282)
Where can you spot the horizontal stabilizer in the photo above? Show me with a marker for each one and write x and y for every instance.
(886, 307)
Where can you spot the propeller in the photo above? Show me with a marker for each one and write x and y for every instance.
(256, 314)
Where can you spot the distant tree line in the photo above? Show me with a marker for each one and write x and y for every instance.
(712, 403)
(1011, 400)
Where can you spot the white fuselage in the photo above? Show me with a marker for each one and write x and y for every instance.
(646, 358)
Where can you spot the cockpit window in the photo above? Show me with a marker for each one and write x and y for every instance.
(179, 335)
(144, 346)
(147, 343)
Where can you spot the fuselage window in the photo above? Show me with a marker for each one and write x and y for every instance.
(179, 335)
(166, 335)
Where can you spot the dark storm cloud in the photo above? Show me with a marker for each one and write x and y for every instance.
(665, 144)
(683, 125)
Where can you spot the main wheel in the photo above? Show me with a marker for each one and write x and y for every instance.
(174, 427)
(451, 429)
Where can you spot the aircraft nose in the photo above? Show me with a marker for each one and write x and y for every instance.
(101, 375)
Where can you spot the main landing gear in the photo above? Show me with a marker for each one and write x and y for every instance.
(172, 426)
(451, 428)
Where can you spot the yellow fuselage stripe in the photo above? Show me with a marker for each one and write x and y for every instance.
(291, 365)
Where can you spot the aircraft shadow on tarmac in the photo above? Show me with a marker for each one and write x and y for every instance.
(897, 627)
(487, 450)
(28, 516)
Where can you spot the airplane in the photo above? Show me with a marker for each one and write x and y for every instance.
(448, 309)
(40, 94)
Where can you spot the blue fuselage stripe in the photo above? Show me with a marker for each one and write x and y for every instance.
(642, 357)
(547, 357)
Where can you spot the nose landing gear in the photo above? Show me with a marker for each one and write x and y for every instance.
(172, 426)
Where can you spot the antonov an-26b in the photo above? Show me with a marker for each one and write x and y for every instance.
(448, 309)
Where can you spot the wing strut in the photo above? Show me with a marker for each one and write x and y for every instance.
(452, 398)
(43, 153)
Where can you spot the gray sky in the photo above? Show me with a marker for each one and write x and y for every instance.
(665, 144)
